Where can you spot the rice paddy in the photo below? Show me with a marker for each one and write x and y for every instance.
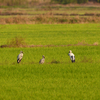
(58, 78)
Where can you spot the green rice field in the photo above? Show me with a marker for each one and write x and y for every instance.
(51, 34)
(58, 78)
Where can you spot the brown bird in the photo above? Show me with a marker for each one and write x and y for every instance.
(42, 60)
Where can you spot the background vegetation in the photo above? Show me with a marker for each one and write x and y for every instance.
(50, 15)
(47, 12)
(33, 2)
(74, 1)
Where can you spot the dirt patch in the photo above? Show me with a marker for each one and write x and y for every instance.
(82, 44)
(20, 42)
(3, 46)
(55, 62)
(96, 43)
(85, 44)
(33, 46)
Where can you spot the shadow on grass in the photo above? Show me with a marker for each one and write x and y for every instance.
(85, 60)
(55, 62)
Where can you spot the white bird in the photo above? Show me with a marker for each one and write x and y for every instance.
(72, 56)
(42, 60)
(19, 57)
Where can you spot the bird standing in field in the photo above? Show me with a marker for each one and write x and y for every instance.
(42, 60)
(19, 57)
(72, 56)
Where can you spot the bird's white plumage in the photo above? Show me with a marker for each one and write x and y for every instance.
(72, 56)
(42, 60)
(19, 57)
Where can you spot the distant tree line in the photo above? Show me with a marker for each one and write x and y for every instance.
(74, 1)
(32, 2)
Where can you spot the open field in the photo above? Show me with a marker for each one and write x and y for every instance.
(57, 78)
(51, 34)
(45, 82)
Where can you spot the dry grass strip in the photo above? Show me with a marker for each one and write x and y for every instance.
(49, 19)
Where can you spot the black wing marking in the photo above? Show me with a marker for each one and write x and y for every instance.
(72, 57)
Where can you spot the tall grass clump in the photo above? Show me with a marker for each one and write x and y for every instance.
(16, 42)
